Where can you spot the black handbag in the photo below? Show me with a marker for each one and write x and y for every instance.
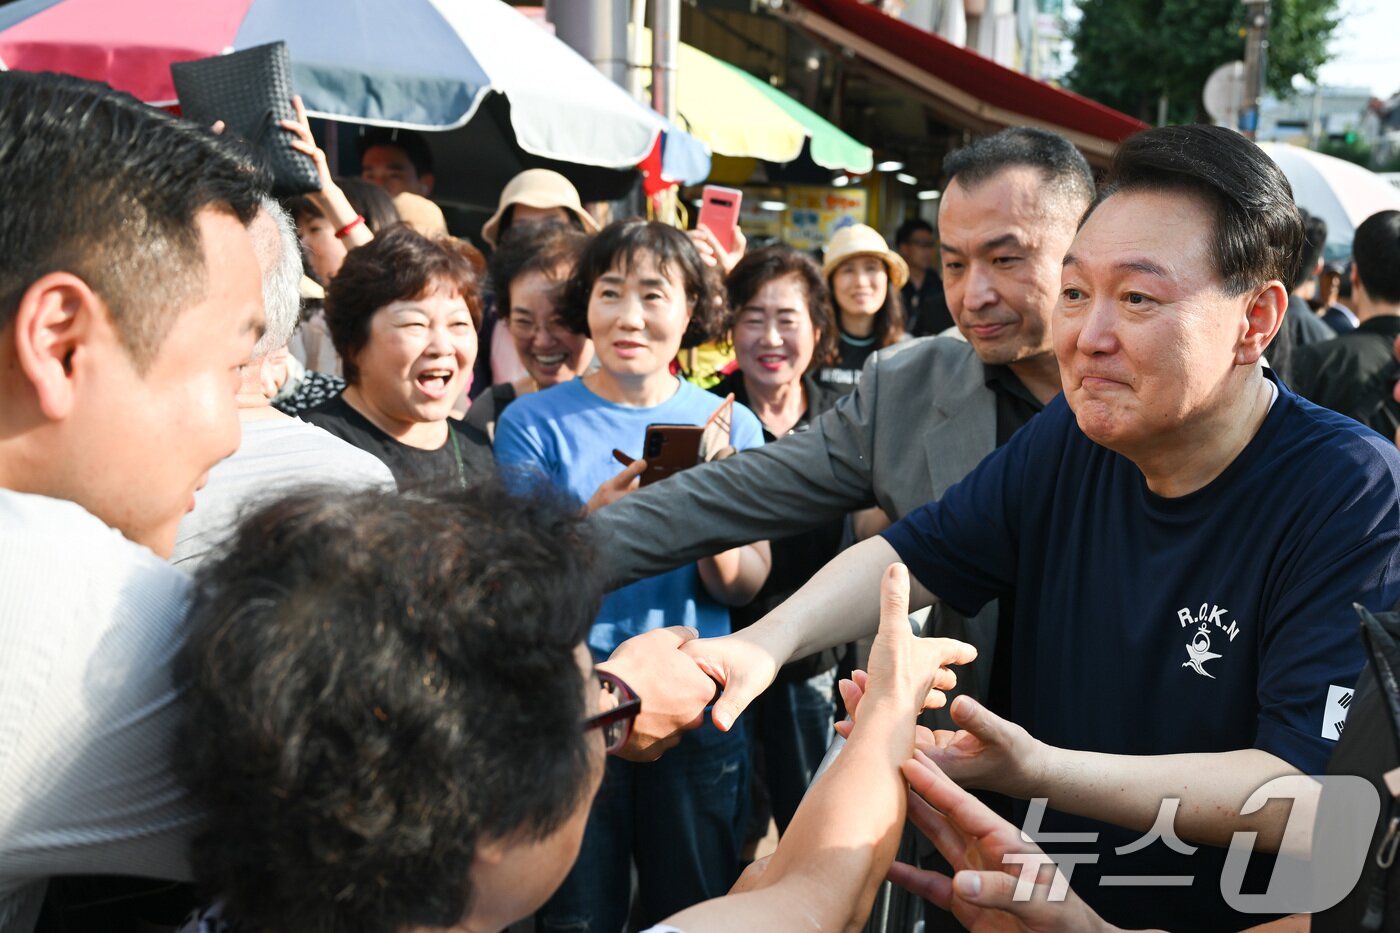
(251, 91)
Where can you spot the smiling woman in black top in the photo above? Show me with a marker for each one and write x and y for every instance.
(403, 314)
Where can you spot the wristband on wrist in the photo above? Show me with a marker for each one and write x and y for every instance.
(359, 219)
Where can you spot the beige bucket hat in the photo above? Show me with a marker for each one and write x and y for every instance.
(421, 214)
(860, 240)
(539, 187)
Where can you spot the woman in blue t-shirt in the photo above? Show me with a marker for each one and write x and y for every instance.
(642, 293)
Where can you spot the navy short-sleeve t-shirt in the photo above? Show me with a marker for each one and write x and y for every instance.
(1215, 621)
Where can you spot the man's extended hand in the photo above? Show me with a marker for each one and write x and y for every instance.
(673, 689)
(742, 665)
(987, 752)
(976, 843)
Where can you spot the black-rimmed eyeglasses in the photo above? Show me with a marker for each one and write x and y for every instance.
(616, 723)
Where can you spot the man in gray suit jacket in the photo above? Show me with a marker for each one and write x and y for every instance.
(925, 411)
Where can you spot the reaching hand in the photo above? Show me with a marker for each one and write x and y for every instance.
(976, 843)
(903, 667)
(853, 690)
(619, 486)
(713, 252)
(987, 752)
(305, 143)
(674, 691)
(742, 665)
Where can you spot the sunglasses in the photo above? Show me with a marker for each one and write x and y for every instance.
(616, 723)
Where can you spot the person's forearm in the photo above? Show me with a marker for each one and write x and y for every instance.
(792, 485)
(1128, 790)
(340, 214)
(838, 605)
(734, 577)
(839, 845)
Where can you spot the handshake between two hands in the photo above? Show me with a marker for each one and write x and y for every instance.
(678, 674)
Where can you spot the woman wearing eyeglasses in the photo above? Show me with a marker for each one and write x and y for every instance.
(529, 270)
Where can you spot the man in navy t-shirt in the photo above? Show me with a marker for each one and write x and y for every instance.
(1184, 538)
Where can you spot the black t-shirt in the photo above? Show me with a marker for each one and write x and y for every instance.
(468, 459)
(925, 307)
(795, 558)
(845, 372)
(1354, 374)
(487, 407)
(1015, 407)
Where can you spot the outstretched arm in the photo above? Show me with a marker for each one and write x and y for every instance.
(789, 486)
(983, 894)
(843, 838)
(838, 605)
(1128, 790)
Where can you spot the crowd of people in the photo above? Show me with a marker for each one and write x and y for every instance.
(338, 594)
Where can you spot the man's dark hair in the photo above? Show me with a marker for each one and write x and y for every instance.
(379, 683)
(1257, 235)
(543, 248)
(397, 265)
(1314, 240)
(618, 246)
(1375, 249)
(913, 225)
(97, 184)
(762, 266)
(1067, 175)
(411, 142)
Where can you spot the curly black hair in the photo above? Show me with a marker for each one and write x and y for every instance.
(618, 245)
(377, 683)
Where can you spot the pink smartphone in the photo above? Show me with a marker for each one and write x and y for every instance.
(719, 210)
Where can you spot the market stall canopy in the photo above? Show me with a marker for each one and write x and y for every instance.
(415, 64)
(738, 115)
(961, 87)
(1340, 192)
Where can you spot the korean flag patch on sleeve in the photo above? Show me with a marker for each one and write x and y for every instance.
(1334, 717)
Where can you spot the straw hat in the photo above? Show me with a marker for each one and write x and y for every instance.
(421, 214)
(539, 187)
(860, 240)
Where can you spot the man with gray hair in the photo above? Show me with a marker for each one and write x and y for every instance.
(276, 451)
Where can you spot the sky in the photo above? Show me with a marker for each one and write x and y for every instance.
(1366, 47)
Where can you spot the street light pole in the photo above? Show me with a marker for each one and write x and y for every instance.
(1255, 61)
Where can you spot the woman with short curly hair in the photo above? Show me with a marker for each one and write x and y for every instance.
(642, 292)
(403, 313)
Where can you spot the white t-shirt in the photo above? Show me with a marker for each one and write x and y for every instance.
(89, 626)
(275, 455)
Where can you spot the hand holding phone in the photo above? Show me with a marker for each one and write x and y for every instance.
(719, 212)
